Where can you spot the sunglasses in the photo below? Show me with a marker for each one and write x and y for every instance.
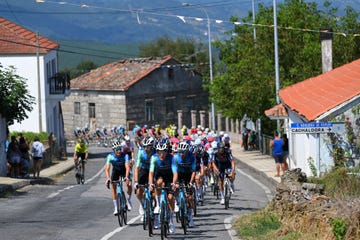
(118, 149)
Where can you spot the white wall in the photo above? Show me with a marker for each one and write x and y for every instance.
(26, 67)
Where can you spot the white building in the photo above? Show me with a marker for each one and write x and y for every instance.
(313, 107)
(35, 59)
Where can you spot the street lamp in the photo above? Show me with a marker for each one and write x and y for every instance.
(210, 57)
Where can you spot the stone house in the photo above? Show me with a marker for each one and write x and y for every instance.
(134, 91)
(314, 112)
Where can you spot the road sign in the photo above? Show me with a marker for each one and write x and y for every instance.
(312, 127)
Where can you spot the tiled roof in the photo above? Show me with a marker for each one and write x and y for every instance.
(277, 112)
(317, 95)
(15, 39)
(118, 75)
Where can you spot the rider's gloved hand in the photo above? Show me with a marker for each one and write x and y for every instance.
(107, 183)
(136, 185)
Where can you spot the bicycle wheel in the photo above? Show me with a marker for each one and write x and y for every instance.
(146, 216)
(227, 195)
(163, 222)
(195, 201)
(120, 215)
(183, 216)
(124, 209)
(82, 172)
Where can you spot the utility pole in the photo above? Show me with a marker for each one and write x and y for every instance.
(38, 81)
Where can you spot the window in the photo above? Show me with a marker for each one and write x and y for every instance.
(149, 110)
(76, 107)
(91, 110)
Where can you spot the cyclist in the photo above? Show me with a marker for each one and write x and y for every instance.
(81, 151)
(128, 148)
(163, 171)
(142, 165)
(202, 160)
(223, 161)
(120, 168)
(186, 164)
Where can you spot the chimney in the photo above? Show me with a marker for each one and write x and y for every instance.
(326, 49)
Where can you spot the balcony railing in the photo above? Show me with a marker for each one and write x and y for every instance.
(59, 83)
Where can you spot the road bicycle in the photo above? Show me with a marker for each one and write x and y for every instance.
(194, 198)
(164, 213)
(148, 206)
(80, 171)
(227, 189)
(182, 215)
(121, 203)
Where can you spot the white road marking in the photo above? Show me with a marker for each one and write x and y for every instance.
(69, 187)
(119, 229)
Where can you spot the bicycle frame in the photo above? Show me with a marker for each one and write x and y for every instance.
(227, 192)
(183, 209)
(80, 171)
(121, 200)
(148, 221)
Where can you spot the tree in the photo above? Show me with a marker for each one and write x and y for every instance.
(82, 68)
(14, 96)
(246, 83)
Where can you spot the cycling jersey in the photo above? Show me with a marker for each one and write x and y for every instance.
(223, 160)
(81, 149)
(199, 163)
(186, 166)
(143, 159)
(164, 169)
(118, 163)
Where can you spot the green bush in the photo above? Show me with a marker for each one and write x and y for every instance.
(29, 136)
(339, 228)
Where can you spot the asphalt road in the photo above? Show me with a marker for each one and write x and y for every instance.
(66, 210)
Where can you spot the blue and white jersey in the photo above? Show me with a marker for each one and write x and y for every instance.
(186, 165)
(118, 162)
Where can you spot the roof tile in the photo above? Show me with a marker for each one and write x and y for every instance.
(118, 75)
(15, 39)
(317, 95)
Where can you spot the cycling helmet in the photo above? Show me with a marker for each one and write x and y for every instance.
(115, 145)
(148, 141)
(197, 141)
(183, 146)
(127, 138)
(221, 145)
(214, 145)
(161, 147)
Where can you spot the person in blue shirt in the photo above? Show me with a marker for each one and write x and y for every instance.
(186, 163)
(277, 151)
(163, 172)
(120, 168)
(142, 166)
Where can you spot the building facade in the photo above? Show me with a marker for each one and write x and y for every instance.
(35, 59)
(134, 91)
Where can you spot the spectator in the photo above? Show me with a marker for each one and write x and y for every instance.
(276, 145)
(285, 150)
(245, 138)
(252, 141)
(14, 157)
(25, 158)
(37, 151)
